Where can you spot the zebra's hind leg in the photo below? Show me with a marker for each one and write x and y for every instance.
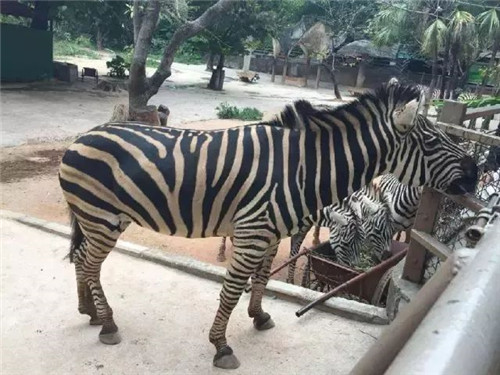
(261, 320)
(95, 246)
(85, 300)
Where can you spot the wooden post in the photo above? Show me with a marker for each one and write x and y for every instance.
(424, 221)
(453, 113)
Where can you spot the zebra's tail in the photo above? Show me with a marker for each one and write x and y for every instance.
(76, 236)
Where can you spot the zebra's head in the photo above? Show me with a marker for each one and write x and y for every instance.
(346, 236)
(365, 228)
(423, 153)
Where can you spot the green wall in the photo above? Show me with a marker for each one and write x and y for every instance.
(26, 54)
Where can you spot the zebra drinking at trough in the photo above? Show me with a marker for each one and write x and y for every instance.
(371, 217)
(256, 183)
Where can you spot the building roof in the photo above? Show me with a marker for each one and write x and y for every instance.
(365, 47)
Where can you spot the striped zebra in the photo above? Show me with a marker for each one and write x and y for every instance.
(372, 215)
(256, 183)
(467, 96)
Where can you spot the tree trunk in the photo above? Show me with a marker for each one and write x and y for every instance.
(454, 81)
(285, 68)
(141, 88)
(217, 79)
(306, 74)
(137, 19)
(432, 86)
(210, 62)
(318, 76)
(484, 81)
(99, 38)
(449, 91)
(446, 61)
(334, 80)
(273, 70)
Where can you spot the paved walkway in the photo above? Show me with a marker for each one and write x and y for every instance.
(164, 316)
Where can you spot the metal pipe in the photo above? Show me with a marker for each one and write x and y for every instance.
(290, 260)
(385, 264)
(475, 232)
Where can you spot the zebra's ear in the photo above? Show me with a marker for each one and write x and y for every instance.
(370, 205)
(338, 217)
(404, 117)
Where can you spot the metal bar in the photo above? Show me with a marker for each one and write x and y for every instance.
(385, 264)
(290, 260)
(482, 112)
(430, 243)
(460, 335)
(393, 338)
(473, 135)
(424, 221)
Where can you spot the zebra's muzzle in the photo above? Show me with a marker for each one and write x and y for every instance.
(467, 183)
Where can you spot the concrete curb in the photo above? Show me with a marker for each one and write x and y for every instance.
(339, 306)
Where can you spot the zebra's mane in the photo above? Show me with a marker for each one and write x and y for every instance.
(295, 115)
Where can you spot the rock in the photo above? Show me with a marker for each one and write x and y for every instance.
(120, 113)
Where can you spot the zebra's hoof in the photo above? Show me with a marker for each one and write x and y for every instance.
(263, 322)
(110, 338)
(221, 259)
(226, 359)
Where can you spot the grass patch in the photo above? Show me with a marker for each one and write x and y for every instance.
(73, 48)
(226, 111)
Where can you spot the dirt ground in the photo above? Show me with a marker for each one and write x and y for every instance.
(39, 120)
(29, 184)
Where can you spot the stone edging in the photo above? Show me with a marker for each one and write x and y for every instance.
(336, 305)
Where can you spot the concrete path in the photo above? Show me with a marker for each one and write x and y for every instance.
(164, 316)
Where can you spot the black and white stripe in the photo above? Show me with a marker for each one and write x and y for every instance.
(257, 183)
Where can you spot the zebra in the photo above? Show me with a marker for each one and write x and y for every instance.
(256, 183)
(372, 215)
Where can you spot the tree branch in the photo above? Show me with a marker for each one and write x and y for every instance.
(184, 32)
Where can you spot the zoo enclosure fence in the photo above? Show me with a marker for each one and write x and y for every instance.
(441, 220)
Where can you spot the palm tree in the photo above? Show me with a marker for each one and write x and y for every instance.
(432, 43)
(463, 45)
(489, 33)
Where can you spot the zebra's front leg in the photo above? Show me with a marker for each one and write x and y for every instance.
(261, 320)
(315, 240)
(243, 263)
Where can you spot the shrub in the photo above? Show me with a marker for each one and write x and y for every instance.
(226, 111)
(117, 67)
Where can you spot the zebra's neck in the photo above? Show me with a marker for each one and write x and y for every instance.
(347, 145)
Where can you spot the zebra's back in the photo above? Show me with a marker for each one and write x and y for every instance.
(178, 182)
